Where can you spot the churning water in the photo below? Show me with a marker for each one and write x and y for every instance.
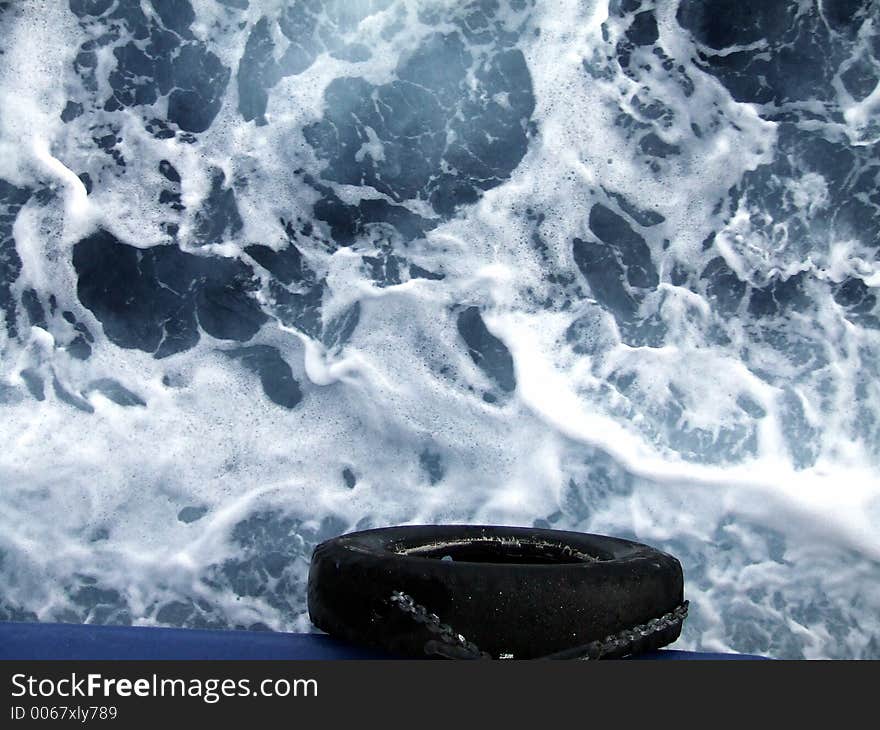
(271, 270)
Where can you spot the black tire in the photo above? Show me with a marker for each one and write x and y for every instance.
(509, 590)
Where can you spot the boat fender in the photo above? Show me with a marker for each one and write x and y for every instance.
(465, 591)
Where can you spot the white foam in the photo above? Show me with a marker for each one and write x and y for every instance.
(405, 383)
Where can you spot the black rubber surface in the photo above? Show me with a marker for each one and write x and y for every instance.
(510, 590)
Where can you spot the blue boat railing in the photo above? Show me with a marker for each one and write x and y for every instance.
(27, 641)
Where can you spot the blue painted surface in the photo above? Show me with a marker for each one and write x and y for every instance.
(23, 641)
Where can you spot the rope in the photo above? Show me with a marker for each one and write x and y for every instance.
(452, 645)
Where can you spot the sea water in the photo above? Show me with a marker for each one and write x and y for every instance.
(272, 270)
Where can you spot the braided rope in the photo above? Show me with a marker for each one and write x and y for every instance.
(453, 645)
(449, 643)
